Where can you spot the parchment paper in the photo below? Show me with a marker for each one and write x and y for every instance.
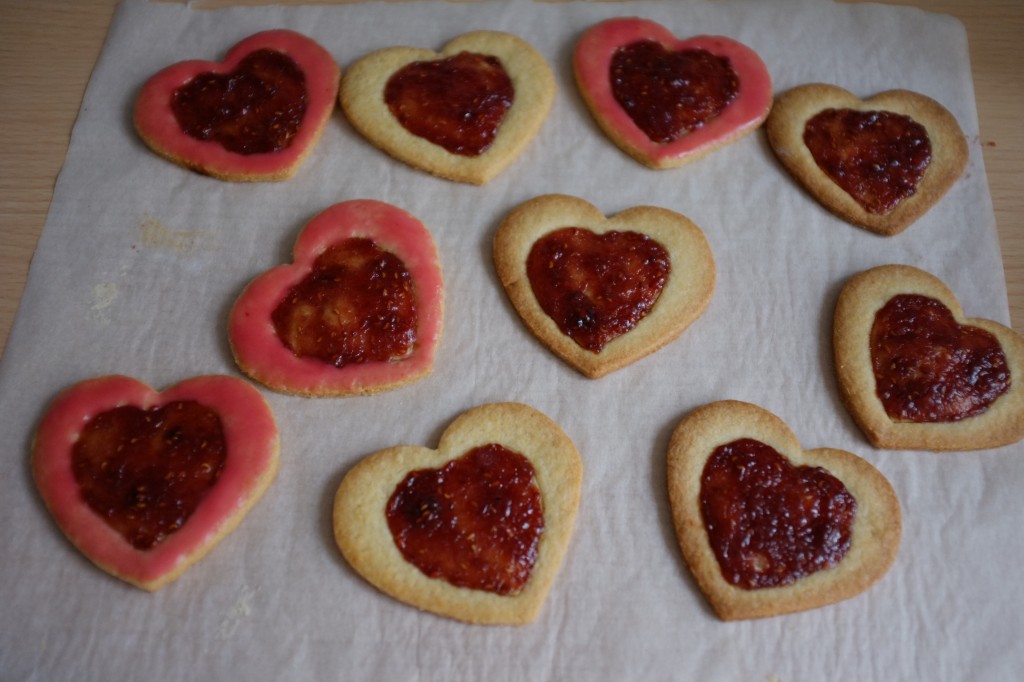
(140, 261)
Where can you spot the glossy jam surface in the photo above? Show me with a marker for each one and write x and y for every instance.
(668, 94)
(597, 287)
(476, 522)
(255, 109)
(145, 471)
(929, 368)
(771, 523)
(877, 157)
(457, 102)
(356, 305)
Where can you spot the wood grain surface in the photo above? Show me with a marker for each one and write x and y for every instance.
(48, 49)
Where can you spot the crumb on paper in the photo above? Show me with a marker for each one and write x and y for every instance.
(241, 610)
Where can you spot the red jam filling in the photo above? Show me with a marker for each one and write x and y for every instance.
(668, 94)
(476, 522)
(929, 368)
(457, 102)
(597, 287)
(356, 305)
(771, 523)
(145, 471)
(257, 108)
(877, 157)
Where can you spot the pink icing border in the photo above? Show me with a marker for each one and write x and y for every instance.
(592, 62)
(252, 444)
(262, 355)
(156, 123)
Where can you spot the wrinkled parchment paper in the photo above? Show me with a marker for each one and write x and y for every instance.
(140, 261)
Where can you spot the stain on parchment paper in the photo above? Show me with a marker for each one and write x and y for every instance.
(238, 613)
(153, 234)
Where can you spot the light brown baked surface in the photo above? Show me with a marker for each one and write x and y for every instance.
(859, 301)
(363, 536)
(785, 129)
(876, 531)
(362, 99)
(684, 298)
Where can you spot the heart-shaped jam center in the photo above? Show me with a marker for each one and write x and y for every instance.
(771, 523)
(457, 102)
(668, 94)
(357, 304)
(475, 522)
(877, 157)
(597, 287)
(257, 108)
(145, 471)
(928, 367)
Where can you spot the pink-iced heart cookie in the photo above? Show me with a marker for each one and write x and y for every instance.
(358, 311)
(666, 101)
(474, 530)
(145, 483)
(464, 113)
(767, 527)
(253, 117)
(602, 292)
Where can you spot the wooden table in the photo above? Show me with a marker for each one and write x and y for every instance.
(48, 49)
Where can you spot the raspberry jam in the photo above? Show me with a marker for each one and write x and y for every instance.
(256, 109)
(771, 523)
(145, 471)
(668, 94)
(457, 102)
(877, 157)
(597, 287)
(929, 368)
(476, 522)
(357, 305)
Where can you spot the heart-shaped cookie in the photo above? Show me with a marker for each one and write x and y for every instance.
(464, 113)
(666, 101)
(475, 530)
(254, 116)
(602, 292)
(916, 374)
(358, 311)
(768, 528)
(145, 483)
(879, 163)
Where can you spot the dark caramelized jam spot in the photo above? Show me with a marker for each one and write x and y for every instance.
(668, 94)
(258, 108)
(771, 523)
(145, 471)
(476, 522)
(929, 368)
(357, 305)
(597, 287)
(877, 157)
(457, 102)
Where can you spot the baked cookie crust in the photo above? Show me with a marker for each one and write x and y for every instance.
(875, 537)
(362, 99)
(785, 130)
(362, 533)
(686, 294)
(859, 301)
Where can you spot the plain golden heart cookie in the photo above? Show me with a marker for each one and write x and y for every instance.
(606, 260)
(879, 163)
(511, 84)
(474, 530)
(769, 528)
(915, 373)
